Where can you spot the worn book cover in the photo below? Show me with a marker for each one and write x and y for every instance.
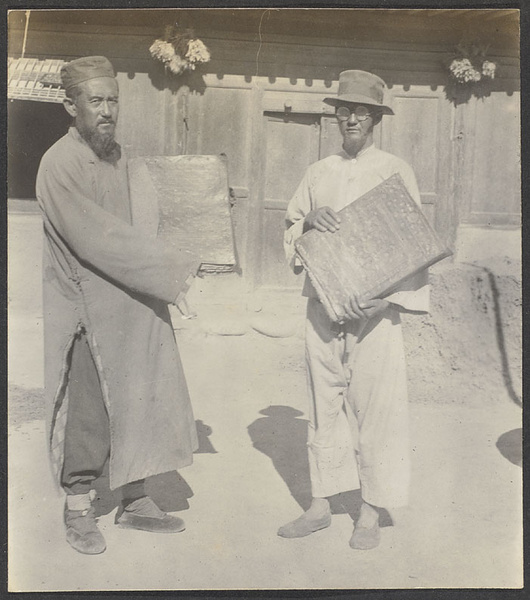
(383, 239)
(191, 204)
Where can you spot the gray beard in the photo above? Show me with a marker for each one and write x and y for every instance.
(104, 146)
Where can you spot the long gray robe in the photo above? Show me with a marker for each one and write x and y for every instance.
(108, 276)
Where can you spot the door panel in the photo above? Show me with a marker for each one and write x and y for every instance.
(292, 144)
(495, 163)
(330, 136)
(420, 132)
(414, 138)
(218, 123)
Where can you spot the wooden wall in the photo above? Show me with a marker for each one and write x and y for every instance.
(491, 166)
(259, 101)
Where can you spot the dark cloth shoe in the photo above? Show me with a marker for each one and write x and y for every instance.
(82, 531)
(365, 538)
(144, 514)
(304, 526)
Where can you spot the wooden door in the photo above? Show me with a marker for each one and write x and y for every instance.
(421, 132)
(291, 145)
(491, 170)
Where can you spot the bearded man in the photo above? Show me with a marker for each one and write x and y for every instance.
(358, 423)
(114, 382)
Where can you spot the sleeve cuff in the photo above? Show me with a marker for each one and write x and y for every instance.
(291, 235)
(413, 294)
(417, 301)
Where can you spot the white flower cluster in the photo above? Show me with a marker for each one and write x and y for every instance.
(197, 53)
(162, 51)
(488, 69)
(464, 71)
(165, 52)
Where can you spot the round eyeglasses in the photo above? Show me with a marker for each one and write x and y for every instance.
(361, 113)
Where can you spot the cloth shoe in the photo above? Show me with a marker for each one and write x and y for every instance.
(304, 526)
(82, 531)
(145, 515)
(365, 538)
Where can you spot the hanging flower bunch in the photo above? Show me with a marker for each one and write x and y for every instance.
(470, 64)
(179, 50)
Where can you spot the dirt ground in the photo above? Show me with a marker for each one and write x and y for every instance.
(244, 364)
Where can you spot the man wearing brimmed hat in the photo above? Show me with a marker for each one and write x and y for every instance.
(115, 386)
(358, 423)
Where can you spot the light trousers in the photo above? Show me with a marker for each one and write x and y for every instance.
(358, 434)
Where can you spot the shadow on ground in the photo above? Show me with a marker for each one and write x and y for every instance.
(170, 491)
(282, 436)
(510, 445)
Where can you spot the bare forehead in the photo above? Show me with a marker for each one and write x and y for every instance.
(99, 86)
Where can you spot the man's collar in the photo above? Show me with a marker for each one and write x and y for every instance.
(361, 153)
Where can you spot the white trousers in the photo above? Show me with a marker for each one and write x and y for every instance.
(358, 411)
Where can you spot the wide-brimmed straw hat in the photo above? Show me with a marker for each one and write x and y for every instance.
(360, 87)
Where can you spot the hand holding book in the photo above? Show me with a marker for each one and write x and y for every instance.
(322, 219)
(383, 240)
(353, 309)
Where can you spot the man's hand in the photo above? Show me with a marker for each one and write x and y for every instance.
(365, 311)
(322, 219)
(374, 307)
(353, 309)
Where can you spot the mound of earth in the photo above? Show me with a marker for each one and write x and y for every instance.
(468, 349)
